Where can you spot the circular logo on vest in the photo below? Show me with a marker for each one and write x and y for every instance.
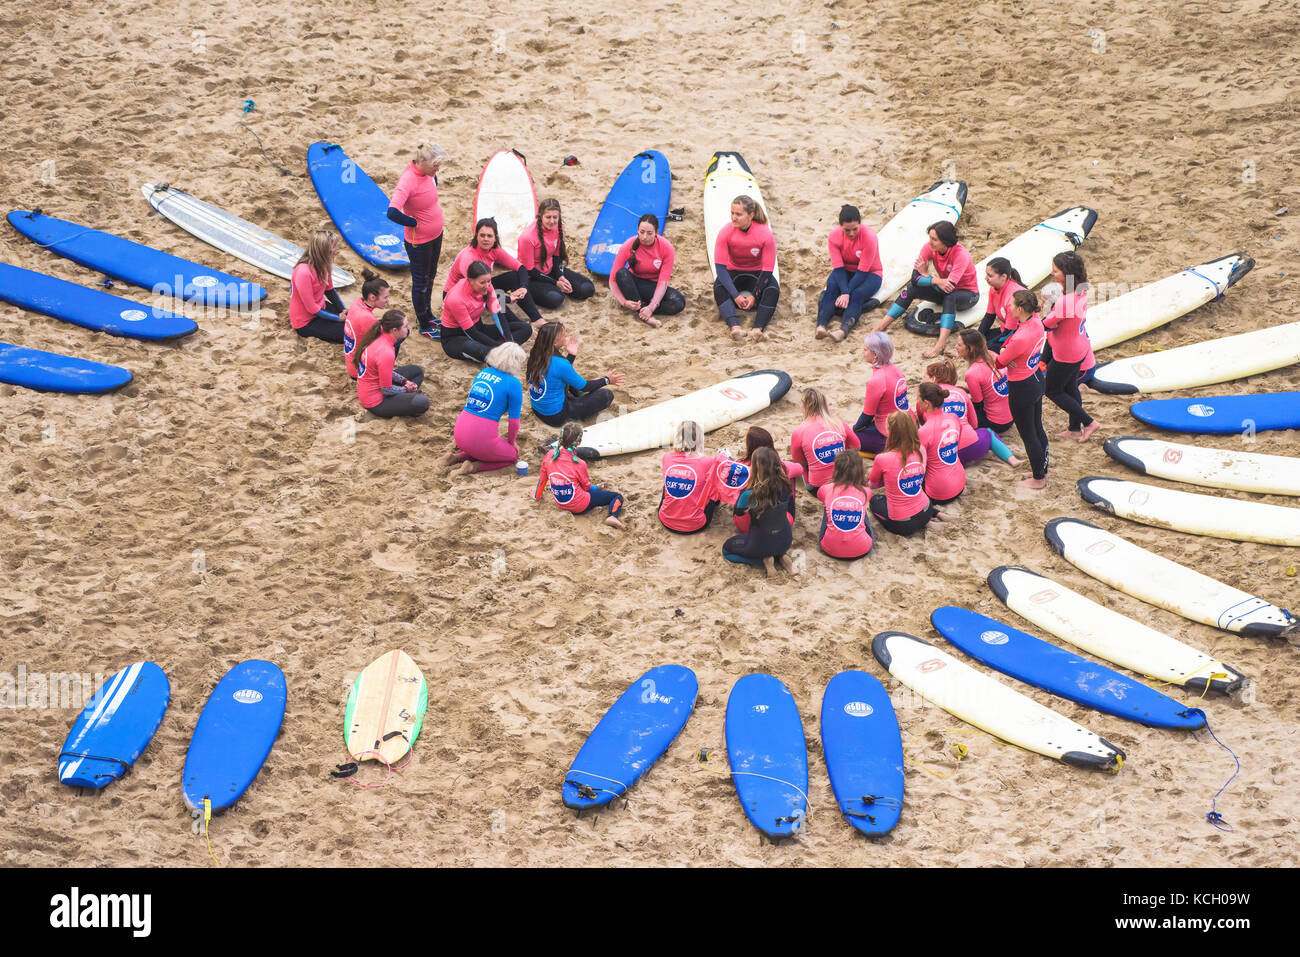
(858, 709)
(536, 392)
(955, 404)
(386, 240)
(205, 282)
(562, 489)
(1001, 387)
(826, 446)
(1036, 356)
(247, 696)
(1200, 411)
(846, 513)
(911, 479)
(900, 394)
(733, 474)
(994, 637)
(948, 446)
(679, 481)
(480, 397)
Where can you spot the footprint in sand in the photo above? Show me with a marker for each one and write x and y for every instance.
(395, 558)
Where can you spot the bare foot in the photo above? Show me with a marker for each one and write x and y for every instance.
(613, 522)
(652, 322)
(737, 333)
(821, 333)
(1013, 461)
(451, 458)
(757, 335)
(1068, 434)
(1033, 483)
(838, 335)
(767, 572)
(1084, 390)
(1088, 430)
(786, 565)
(469, 468)
(933, 352)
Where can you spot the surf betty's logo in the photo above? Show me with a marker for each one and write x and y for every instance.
(925, 667)
(536, 392)
(680, 481)
(247, 696)
(1000, 385)
(1200, 411)
(754, 250)
(386, 240)
(1173, 456)
(1043, 597)
(858, 709)
(1036, 356)
(650, 696)
(900, 394)
(562, 489)
(480, 396)
(826, 446)
(846, 513)
(733, 474)
(911, 479)
(1142, 370)
(134, 315)
(75, 909)
(994, 637)
(948, 442)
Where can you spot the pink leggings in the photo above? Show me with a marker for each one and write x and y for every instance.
(478, 439)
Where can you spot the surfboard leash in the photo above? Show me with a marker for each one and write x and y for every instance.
(207, 816)
(588, 792)
(1213, 816)
(702, 760)
(283, 171)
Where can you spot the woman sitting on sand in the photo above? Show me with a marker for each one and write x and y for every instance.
(1003, 282)
(556, 392)
(486, 248)
(640, 274)
(464, 334)
(495, 392)
(543, 253)
(846, 529)
(1022, 357)
(566, 476)
(361, 315)
(311, 290)
(818, 441)
(415, 207)
(768, 501)
(855, 275)
(976, 440)
(903, 507)
(382, 389)
(940, 435)
(944, 274)
(986, 384)
(731, 477)
(744, 258)
(690, 493)
(886, 392)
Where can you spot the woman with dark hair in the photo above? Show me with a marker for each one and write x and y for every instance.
(556, 393)
(565, 474)
(944, 274)
(415, 206)
(543, 253)
(1070, 346)
(382, 389)
(846, 529)
(732, 477)
(1003, 282)
(744, 260)
(855, 275)
(361, 315)
(768, 501)
(640, 274)
(1022, 357)
(485, 247)
(464, 334)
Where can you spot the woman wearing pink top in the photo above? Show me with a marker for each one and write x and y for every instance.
(565, 474)
(986, 384)
(846, 529)
(464, 334)
(818, 441)
(382, 389)
(744, 257)
(311, 289)
(855, 275)
(361, 315)
(903, 507)
(1068, 338)
(1003, 281)
(940, 434)
(486, 248)
(1022, 357)
(731, 478)
(886, 392)
(976, 439)
(944, 274)
(641, 271)
(543, 253)
(415, 206)
(689, 495)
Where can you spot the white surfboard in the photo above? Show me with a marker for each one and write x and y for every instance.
(1122, 317)
(654, 427)
(1213, 468)
(1164, 583)
(230, 234)
(1202, 363)
(990, 705)
(506, 194)
(1192, 512)
(1107, 634)
(902, 237)
(727, 177)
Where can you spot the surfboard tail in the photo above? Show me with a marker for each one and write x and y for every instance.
(998, 585)
(782, 386)
(1111, 763)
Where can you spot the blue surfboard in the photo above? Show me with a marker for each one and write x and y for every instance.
(234, 735)
(644, 186)
(139, 265)
(863, 748)
(51, 372)
(1222, 414)
(115, 726)
(633, 734)
(1063, 673)
(767, 755)
(357, 205)
(89, 308)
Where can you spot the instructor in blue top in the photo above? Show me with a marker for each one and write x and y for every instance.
(556, 392)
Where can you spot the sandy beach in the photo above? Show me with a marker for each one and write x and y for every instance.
(235, 502)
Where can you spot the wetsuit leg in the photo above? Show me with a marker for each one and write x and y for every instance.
(766, 298)
(583, 288)
(409, 403)
(1026, 402)
(1063, 390)
(328, 330)
(457, 345)
(424, 267)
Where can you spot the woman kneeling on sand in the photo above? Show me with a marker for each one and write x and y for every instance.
(496, 391)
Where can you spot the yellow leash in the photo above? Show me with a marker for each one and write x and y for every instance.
(207, 816)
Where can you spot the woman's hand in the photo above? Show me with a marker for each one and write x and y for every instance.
(745, 301)
(945, 285)
(615, 377)
(516, 294)
(564, 285)
(410, 386)
(842, 302)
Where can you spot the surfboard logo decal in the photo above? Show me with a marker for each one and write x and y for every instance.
(134, 315)
(1138, 496)
(205, 282)
(1143, 370)
(925, 667)
(735, 394)
(994, 637)
(247, 696)
(386, 239)
(858, 709)
(1099, 548)
(1044, 596)
(1200, 411)
(1173, 456)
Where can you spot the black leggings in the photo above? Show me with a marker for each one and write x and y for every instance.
(405, 403)
(330, 330)
(1026, 402)
(765, 296)
(547, 294)
(643, 290)
(906, 526)
(509, 282)
(1063, 389)
(424, 266)
(578, 407)
(475, 343)
(982, 421)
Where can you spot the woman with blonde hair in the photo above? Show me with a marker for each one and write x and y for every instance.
(415, 206)
(495, 393)
(690, 493)
(744, 260)
(769, 502)
(903, 507)
(543, 253)
(819, 440)
(311, 289)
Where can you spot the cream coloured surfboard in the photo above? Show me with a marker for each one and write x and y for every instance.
(1107, 634)
(1213, 468)
(902, 237)
(1164, 583)
(1193, 512)
(506, 193)
(990, 705)
(727, 177)
(385, 710)
(1203, 363)
(1151, 306)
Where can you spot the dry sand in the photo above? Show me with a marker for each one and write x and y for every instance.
(219, 508)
